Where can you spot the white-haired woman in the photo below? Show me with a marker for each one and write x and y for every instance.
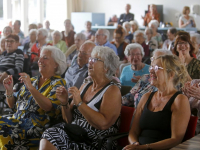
(89, 34)
(57, 41)
(153, 44)
(41, 41)
(134, 26)
(133, 72)
(95, 107)
(7, 31)
(128, 36)
(195, 39)
(154, 24)
(36, 102)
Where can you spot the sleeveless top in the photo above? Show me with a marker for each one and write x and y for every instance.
(156, 126)
(94, 104)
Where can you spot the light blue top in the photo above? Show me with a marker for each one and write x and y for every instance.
(127, 74)
(191, 19)
(108, 44)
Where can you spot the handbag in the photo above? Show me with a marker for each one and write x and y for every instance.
(77, 133)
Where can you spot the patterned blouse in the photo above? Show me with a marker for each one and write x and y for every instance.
(193, 68)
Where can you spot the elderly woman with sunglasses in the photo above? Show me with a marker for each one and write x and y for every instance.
(184, 49)
(95, 106)
(161, 117)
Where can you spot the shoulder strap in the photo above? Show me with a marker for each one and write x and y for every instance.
(150, 97)
(171, 100)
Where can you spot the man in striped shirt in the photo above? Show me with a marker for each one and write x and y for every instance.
(11, 60)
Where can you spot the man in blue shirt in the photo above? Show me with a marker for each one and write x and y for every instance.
(101, 39)
(126, 16)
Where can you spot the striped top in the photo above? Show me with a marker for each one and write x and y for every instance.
(12, 63)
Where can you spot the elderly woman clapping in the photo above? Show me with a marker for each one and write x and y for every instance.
(95, 107)
(57, 41)
(36, 102)
(132, 73)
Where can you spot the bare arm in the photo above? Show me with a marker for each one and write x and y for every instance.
(182, 25)
(109, 110)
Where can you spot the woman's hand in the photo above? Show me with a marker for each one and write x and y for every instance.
(26, 80)
(135, 78)
(76, 94)
(181, 57)
(194, 91)
(8, 84)
(131, 146)
(62, 95)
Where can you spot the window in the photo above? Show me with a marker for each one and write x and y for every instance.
(1, 9)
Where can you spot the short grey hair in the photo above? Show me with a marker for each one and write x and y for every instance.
(153, 22)
(111, 60)
(134, 22)
(81, 36)
(138, 32)
(126, 23)
(56, 31)
(33, 31)
(43, 31)
(106, 33)
(133, 46)
(149, 29)
(164, 51)
(58, 57)
(197, 35)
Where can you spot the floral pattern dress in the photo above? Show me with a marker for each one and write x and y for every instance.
(23, 130)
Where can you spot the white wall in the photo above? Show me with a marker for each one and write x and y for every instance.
(110, 7)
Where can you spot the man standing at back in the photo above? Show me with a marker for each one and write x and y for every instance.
(78, 70)
(17, 30)
(126, 16)
(102, 37)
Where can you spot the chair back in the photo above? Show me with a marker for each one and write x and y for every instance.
(126, 117)
(190, 132)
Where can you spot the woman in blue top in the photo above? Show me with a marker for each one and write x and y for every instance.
(133, 72)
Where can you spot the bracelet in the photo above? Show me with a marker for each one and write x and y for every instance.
(148, 147)
(79, 104)
(8, 96)
(64, 104)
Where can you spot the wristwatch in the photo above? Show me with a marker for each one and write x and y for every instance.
(79, 104)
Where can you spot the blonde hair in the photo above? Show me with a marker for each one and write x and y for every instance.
(172, 64)
(185, 9)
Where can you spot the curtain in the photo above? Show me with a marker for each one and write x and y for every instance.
(73, 6)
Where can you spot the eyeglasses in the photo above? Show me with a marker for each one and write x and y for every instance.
(93, 60)
(83, 53)
(10, 41)
(155, 68)
(182, 43)
(137, 54)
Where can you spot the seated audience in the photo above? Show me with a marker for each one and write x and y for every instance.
(119, 42)
(186, 21)
(2, 45)
(89, 34)
(113, 20)
(7, 31)
(57, 41)
(41, 41)
(184, 49)
(68, 34)
(153, 44)
(102, 39)
(133, 72)
(126, 16)
(17, 30)
(27, 38)
(169, 43)
(161, 117)
(143, 86)
(39, 25)
(153, 24)
(11, 60)
(192, 91)
(79, 39)
(129, 35)
(95, 107)
(151, 15)
(47, 27)
(36, 102)
(140, 37)
(195, 38)
(134, 26)
(78, 70)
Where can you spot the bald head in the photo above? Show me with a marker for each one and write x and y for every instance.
(84, 53)
(127, 8)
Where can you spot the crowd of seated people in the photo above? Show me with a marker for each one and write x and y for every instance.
(80, 75)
